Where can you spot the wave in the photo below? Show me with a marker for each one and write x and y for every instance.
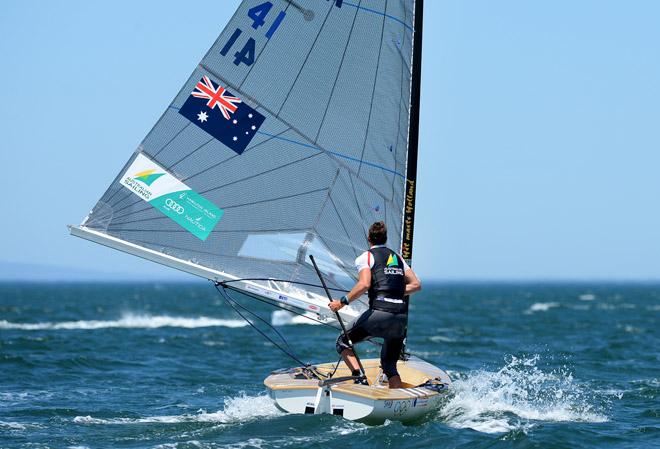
(441, 338)
(516, 396)
(128, 321)
(239, 409)
(12, 425)
(541, 307)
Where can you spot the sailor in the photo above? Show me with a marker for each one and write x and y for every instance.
(389, 281)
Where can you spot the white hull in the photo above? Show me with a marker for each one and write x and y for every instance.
(372, 404)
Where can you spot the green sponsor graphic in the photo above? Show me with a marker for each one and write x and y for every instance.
(149, 178)
(191, 210)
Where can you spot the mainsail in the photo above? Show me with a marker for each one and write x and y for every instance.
(296, 131)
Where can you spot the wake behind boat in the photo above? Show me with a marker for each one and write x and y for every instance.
(296, 131)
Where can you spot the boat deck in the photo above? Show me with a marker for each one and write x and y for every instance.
(413, 372)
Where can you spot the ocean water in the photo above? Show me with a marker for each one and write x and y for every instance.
(170, 366)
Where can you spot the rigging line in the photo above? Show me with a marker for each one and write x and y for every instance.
(373, 91)
(232, 303)
(265, 301)
(334, 85)
(275, 305)
(381, 13)
(190, 154)
(404, 61)
(331, 375)
(311, 48)
(262, 173)
(171, 140)
(335, 153)
(254, 314)
(137, 201)
(160, 216)
(357, 202)
(341, 221)
(236, 155)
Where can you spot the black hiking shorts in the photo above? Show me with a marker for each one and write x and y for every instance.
(391, 327)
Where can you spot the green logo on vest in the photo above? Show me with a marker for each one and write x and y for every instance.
(392, 261)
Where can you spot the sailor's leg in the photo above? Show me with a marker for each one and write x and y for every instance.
(389, 356)
(349, 359)
(356, 334)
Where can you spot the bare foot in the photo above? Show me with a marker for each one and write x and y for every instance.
(395, 382)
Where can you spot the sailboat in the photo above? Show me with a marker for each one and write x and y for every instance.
(295, 132)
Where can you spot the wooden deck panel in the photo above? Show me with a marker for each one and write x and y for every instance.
(413, 372)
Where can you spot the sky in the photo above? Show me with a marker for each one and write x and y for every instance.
(539, 133)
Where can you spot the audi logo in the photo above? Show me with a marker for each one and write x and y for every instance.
(176, 207)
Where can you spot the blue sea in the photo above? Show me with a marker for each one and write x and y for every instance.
(158, 365)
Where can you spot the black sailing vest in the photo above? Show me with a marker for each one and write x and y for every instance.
(388, 282)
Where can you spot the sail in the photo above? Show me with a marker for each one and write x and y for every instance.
(290, 138)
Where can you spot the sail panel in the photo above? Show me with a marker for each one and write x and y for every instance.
(333, 85)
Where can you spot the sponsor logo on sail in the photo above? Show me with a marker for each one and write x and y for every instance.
(174, 206)
(148, 176)
(162, 190)
(140, 182)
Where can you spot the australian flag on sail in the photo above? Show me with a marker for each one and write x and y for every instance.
(221, 114)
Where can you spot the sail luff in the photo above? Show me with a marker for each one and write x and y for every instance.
(408, 222)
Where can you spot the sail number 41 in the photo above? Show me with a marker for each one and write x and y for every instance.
(258, 15)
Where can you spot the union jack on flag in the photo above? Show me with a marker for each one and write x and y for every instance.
(216, 97)
(235, 125)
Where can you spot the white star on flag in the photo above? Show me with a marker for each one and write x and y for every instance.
(202, 117)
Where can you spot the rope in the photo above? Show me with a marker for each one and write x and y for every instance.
(265, 301)
(233, 303)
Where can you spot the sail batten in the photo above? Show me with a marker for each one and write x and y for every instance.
(292, 135)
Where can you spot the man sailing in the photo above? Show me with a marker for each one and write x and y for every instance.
(389, 280)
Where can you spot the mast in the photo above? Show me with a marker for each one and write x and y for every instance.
(413, 137)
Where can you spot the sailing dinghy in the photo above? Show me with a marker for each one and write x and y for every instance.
(296, 131)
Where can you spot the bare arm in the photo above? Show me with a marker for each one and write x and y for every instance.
(359, 289)
(412, 282)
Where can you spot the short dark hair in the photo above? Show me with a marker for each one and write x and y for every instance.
(378, 233)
